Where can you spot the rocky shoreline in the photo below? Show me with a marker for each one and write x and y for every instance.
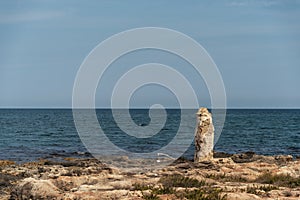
(238, 176)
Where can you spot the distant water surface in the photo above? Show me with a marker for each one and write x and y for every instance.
(30, 134)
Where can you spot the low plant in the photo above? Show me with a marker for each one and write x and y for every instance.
(253, 190)
(163, 190)
(205, 194)
(194, 189)
(151, 196)
(283, 180)
(141, 187)
(257, 190)
(227, 178)
(178, 180)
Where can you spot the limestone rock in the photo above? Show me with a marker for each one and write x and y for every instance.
(31, 188)
(242, 196)
(284, 158)
(204, 136)
(89, 179)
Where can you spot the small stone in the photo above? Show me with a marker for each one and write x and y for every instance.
(284, 158)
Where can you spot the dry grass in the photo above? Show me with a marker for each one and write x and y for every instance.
(282, 180)
(194, 189)
(181, 181)
(227, 178)
(257, 190)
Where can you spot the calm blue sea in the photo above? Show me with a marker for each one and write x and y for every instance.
(30, 134)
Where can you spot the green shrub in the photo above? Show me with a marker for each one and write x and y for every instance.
(151, 197)
(205, 194)
(279, 180)
(163, 190)
(257, 190)
(180, 181)
(141, 187)
(226, 178)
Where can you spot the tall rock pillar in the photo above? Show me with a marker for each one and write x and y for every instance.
(204, 136)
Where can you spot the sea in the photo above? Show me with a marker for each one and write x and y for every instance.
(32, 134)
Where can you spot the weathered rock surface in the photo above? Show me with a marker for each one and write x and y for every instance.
(35, 189)
(204, 136)
(239, 177)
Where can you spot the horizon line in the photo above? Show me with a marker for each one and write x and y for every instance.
(232, 108)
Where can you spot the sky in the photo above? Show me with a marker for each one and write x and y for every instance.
(255, 45)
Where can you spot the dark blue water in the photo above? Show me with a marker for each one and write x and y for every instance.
(30, 134)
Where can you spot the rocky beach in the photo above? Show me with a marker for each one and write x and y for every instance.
(210, 176)
(240, 176)
(150, 100)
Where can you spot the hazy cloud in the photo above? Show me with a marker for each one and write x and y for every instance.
(265, 3)
(29, 16)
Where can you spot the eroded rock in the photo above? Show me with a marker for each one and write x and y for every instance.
(204, 136)
(239, 180)
(30, 188)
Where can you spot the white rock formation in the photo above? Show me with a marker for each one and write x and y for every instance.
(204, 136)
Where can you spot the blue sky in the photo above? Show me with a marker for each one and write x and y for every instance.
(255, 44)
